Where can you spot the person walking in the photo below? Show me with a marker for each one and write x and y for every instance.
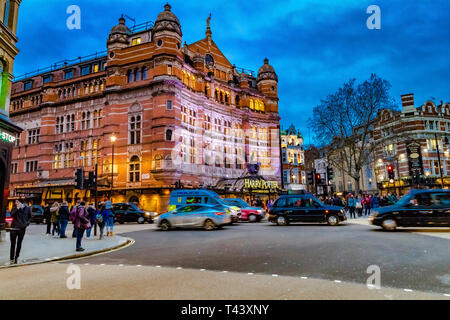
(91, 213)
(351, 204)
(21, 215)
(110, 222)
(375, 201)
(358, 205)
(81, 223)
(367, 202)
(101, 218)
(73, 213)
(54, 210)
(48, 218)
(63, 219)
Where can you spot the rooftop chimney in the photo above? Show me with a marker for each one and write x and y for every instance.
(408, 103)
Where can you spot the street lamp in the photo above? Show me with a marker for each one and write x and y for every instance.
(113, 140)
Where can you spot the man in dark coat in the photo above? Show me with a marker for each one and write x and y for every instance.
(21, 215)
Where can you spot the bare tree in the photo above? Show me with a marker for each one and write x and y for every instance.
(344, 122)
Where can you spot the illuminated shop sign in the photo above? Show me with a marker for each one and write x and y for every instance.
(7, 137)
(260, 184)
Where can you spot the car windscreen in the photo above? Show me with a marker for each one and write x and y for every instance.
(405, 200)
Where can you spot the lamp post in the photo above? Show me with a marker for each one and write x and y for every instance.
(439, 160)
(113, 140)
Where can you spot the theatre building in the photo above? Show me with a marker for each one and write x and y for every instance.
(151, 112)
(414, 143)
(9, 10)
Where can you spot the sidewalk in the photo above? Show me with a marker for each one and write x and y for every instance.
(37, 248)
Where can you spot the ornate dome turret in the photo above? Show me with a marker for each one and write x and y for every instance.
(167, 21)
(119, 33)
(267, 72)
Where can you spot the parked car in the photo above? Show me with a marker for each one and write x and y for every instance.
(304, 208)
(248, 213)
(129, 212)
(37, 214)
(184, 197)
(418, 208)
(208, 217)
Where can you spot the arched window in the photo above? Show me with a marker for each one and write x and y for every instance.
(252, 106)
(135, 169)
(144, 73)
(130, 76)
(169, 135)
(137, 75)
(238, 100)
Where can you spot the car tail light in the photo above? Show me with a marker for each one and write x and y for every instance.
(219, 213)
(9, 220)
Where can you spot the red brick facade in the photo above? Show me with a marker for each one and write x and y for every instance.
(179, 112)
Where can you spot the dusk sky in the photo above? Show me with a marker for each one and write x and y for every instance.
(314, 46)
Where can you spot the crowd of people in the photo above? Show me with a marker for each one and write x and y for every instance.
(57, 216)
(360, 204)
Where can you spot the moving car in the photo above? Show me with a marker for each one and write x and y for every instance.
(251, 214)
(206, 197)
(304, 208)
(37, 214)
(129, 212)
(208, 217)
(418, 208)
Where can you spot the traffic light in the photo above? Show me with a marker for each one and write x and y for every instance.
(90, 183)
(318, 178)
(330, 173)
(391, 174)
(79, 179)
(310, 178)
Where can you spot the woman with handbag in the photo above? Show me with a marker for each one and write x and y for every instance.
(54, 210)
(81, 223)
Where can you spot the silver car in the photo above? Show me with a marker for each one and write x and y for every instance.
(194, 216)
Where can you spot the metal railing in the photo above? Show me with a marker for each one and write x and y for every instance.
(142, 27)
(246, 71)
(61, 64)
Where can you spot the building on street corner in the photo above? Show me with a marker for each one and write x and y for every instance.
(9, 12)
(152, 112)
(293, 159)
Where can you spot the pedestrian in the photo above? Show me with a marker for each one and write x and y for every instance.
(48, 218)
(80, 223)
(91, 213)
(367, 202)
(63, 219)
(73, 213)
(375, 201)
(54, 210)
(101, 218)
(269, 205)
(110, 221)
(358, 205)
(21, 215)
(351, 203)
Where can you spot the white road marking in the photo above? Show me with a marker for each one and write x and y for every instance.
(250, 273)
(407, 290)
(304, 278)
(102, 264)
(202, 269)
(120, 265)
(274, 275)
(225, 271)
(446, 294)
(139, 265)
(179, 268)
(86, 264)
(338, 281)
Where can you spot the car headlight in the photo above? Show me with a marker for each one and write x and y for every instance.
(147, 214)
(374, 213)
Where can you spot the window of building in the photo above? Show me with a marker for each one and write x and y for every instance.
(137, 75)
(286, 176)
(68, 74)
(144, 73)
(14, 168)
(169, 105)
(96, 150)
(130, 76)
(169, 70)
(84, 148)
(69, 155)
(97, 118)
(135, 169)
(135, 129)
(31, 166)
(169, 135)
(33, 136)
(48, 78)
(96, 67)
(136, 41)
(6, 13)
(17, 142)
(28, 85)
(85, 70)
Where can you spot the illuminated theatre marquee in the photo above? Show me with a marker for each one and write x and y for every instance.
(7, 137)
(260, 185)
